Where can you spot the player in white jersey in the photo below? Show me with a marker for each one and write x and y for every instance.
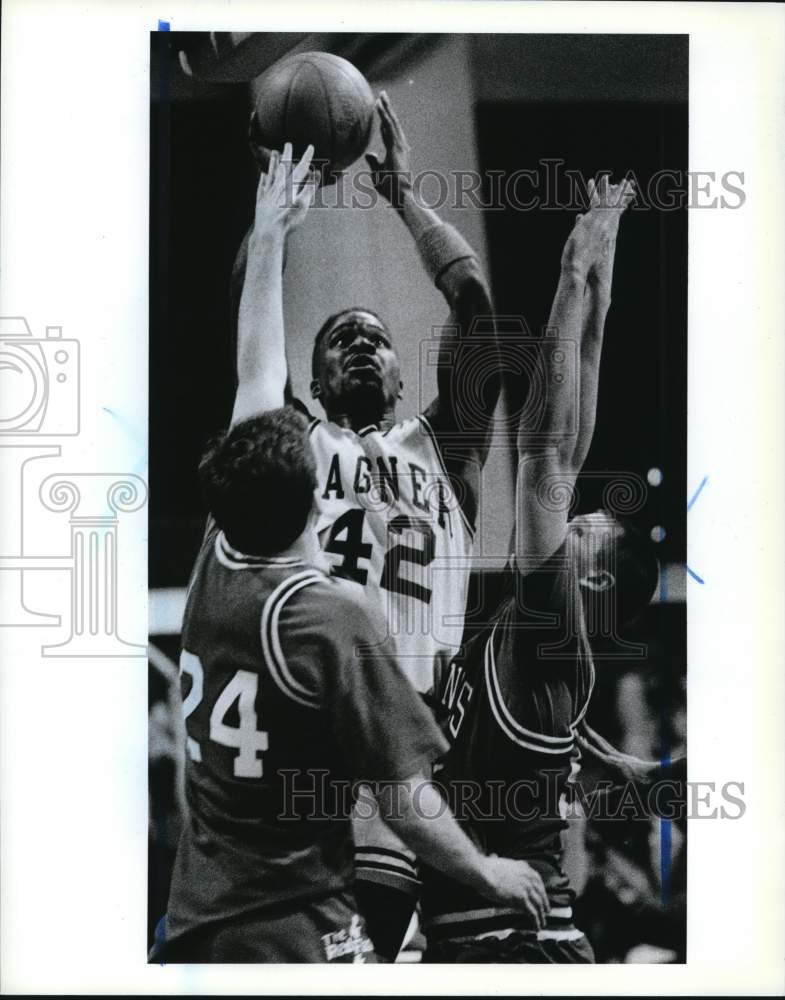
(389, 520)
(397, 507)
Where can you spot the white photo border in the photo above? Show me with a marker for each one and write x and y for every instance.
(73, 743)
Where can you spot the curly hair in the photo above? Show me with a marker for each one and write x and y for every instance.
(258, 481)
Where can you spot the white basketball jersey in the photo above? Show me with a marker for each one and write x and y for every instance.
(390, 521)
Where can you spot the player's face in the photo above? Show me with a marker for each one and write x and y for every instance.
(357, 361)
(591, 539)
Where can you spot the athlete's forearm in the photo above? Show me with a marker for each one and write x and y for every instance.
(545, 451)
(416, 811)
(420, 817)
(560, 368)
(608, 202)
(596, 303)
(261, 356)
(416, 217)
(447, 257)
(452, 265)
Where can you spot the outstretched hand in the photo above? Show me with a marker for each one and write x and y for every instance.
(591, 246)
(285, 192)
(393, 175)
(623, 766)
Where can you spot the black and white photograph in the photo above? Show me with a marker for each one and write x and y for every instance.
(391, 543)
(418, 429)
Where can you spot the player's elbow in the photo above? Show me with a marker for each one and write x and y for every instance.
(539, 464)
(467, 290)
(474, 293)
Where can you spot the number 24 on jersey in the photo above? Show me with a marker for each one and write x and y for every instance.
(246, 739)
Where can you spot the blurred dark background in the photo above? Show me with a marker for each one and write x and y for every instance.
(595, 102)
(487, 103)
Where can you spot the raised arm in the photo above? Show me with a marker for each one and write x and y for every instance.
(452, 264)
(283, 197)
(596, 302)
(549, 462)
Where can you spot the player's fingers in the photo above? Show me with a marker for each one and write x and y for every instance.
(594, 751)
(590, 748)
(535, 889)
(628, 192)
(396, 122)
(537, 906)
(587, 737)
(307, 193)
(616, 195)
(261, 186)
(381, 109)
(391, 127)
(303, 167)
(592, 734)
(385, 124)
(272, 169)
(539, 889)
(396, 125)
(535, 913)
(528, 900)
(284, 165)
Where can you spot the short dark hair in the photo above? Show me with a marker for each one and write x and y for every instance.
(328, 323)
(258, 480)
(637, 570)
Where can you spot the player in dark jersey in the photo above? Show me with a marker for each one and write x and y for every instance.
(286, 719)
(285, 714)
(516, 697)
(393, 499)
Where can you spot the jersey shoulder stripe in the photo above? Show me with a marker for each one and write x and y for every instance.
(271, 643)
(527, 738)
(204, 549)
(592, 675)
(233, 559)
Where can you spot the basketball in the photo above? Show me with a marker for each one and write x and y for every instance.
(319, 98)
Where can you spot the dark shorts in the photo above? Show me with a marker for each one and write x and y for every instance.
(517, 948)
(324, 930)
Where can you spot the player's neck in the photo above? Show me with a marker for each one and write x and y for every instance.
(305, 548)
(360, 418)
